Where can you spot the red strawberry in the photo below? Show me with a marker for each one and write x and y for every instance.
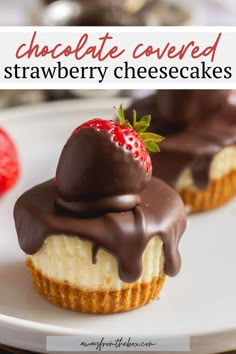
(132, 138)
(9, 165)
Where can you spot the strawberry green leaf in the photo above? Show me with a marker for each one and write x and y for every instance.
(151, 137)
(146, 118)
(134, 117)
(140, 126)
(120, 114)
(152, 147)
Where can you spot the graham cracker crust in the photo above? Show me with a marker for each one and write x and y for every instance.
(219, 193)
(111, 301)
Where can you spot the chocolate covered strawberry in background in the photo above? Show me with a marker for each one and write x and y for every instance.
(9, 164)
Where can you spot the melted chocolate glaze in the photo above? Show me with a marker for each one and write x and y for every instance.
(184, 150)
(191, 142)
(123, 234)
(94, 175)
(95, 250)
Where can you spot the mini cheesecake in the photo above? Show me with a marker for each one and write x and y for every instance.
(198, 158)
(103, 234)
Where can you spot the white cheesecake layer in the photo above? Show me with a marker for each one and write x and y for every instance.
(69, 259)
(222, 164)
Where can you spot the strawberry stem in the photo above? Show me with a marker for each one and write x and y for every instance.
(140, 126)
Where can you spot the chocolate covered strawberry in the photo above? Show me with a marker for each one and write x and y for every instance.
(9, 165)
(109, 164)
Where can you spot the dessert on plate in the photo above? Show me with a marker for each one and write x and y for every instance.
(198, 158)
(104, 233)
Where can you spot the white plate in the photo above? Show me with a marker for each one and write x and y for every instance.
(200, 302)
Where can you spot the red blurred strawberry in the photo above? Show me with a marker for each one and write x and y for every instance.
(9, 165)
(131, 137)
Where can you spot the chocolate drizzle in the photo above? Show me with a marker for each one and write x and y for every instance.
(197, 124)
(95, 250)
(185, 150)
(123, 234)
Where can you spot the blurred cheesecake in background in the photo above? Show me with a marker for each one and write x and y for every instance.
(198, 157)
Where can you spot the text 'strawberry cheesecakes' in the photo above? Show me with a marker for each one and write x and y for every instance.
(199, 156)
(101, 236)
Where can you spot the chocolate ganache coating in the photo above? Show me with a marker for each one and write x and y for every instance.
(95, 175)
(207, 126)
(124, 234)
(185, 150)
